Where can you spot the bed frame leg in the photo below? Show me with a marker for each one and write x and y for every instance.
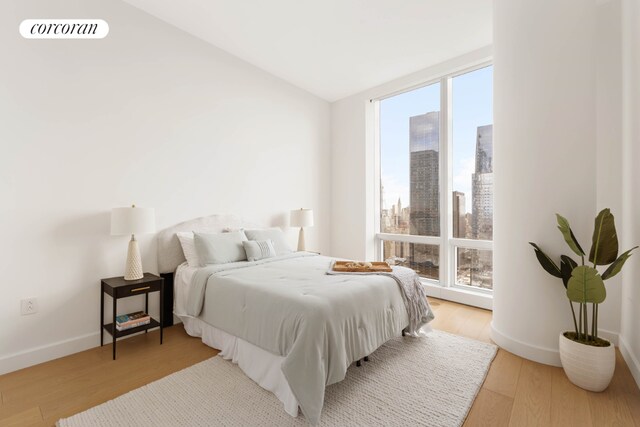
(366, 358)
(359, 363)
(404, 333)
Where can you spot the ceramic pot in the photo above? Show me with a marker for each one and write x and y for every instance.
(588, 367)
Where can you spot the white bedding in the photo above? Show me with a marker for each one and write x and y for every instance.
(181, 286)
(289, 307)
(260, 365)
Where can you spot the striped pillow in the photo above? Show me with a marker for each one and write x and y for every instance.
(259, 249)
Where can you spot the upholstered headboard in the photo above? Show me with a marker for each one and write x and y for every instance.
(170, 254)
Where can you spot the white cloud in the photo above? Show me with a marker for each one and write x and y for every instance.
(462, 179)
(394, 189)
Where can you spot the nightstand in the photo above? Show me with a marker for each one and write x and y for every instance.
(118, 288)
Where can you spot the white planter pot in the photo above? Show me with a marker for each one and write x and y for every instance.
(588, 367)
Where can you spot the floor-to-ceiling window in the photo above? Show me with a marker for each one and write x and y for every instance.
(436, 179)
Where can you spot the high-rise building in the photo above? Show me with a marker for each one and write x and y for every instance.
(424, 190)
(459, 219)
(424, 182)
(482, 188)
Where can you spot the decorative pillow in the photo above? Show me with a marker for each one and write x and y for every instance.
(189, 248)
(275, 235)
(220, 248)
(230, 229)
(259, 249)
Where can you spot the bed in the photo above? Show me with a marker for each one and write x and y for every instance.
(288, 325)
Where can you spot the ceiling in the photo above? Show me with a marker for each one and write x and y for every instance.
(334, 48)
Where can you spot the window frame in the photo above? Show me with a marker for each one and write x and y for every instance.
(446, 242)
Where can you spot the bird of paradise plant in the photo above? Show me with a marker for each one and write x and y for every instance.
(583, 283)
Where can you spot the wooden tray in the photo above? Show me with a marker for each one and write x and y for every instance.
(377, 267)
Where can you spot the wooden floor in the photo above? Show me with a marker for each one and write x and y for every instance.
(516, 392)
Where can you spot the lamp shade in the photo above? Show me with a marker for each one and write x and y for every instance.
(125, 221)
(301, 218)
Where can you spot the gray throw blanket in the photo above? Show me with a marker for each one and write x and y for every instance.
(415, 299)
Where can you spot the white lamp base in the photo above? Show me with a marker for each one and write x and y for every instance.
(301, 240)
(133, 269)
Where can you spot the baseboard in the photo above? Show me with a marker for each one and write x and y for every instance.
(34, 356)
(545, 355)
(632, 361)
(548, 356)
(462, 296)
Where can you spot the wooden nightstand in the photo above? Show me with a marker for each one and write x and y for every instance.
(118, 288)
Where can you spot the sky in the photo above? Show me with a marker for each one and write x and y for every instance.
(472, 106)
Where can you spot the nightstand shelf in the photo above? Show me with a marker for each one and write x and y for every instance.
(118, 287)
(153, 324)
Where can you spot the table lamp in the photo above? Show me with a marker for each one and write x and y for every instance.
(301, 218)
(132, 221)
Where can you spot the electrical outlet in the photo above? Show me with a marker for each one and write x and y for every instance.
(29, 306)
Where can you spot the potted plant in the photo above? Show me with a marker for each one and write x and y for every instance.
(588, 360)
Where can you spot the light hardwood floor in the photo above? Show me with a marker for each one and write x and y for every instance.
(516, 392)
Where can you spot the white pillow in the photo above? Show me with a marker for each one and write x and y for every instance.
(257, 250)
(274, 234)
(189, 248)
(220, 248)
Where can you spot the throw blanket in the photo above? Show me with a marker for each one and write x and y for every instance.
(412, 293)
(290, 307)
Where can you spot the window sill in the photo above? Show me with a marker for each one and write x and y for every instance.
(462, 296)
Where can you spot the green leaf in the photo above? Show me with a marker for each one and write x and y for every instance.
(604, 246)
(586, 285)
(566, 267)
(546, 262)
(617, 265)
(569, 237)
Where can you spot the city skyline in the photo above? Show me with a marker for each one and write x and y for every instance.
(471, 106)
(424, 186)
(422, 215)
(410, 181)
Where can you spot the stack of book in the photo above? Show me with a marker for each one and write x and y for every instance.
(132, 320)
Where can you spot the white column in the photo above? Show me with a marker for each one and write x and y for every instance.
(630, 313)
(609, 140)
(545, 157)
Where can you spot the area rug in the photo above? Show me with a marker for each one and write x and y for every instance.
(430, 381)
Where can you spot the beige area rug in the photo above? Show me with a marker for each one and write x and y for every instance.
(430, 381)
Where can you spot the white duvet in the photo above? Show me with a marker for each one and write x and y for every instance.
(290, 307)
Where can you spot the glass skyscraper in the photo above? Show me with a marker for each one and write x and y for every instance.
(424, 174)
(424, 190)
(482, 185)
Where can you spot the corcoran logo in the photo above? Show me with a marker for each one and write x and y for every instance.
(64, 29)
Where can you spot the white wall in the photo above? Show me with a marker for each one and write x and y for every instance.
(550, 110)
(544, 128)
(348, 178)
(148, 115)
(609, 139)
(630, 332)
